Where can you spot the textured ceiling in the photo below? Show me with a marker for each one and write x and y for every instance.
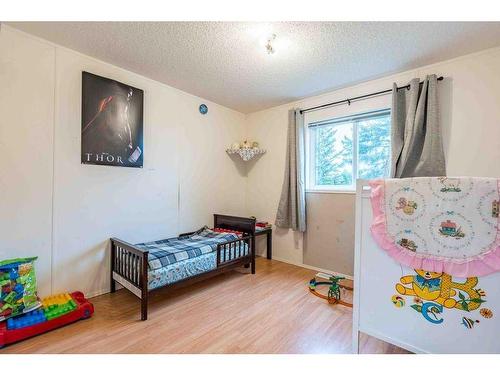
(227, 63)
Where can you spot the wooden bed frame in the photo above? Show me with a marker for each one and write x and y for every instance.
(129, 264)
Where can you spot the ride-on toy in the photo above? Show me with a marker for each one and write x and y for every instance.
(56, 311)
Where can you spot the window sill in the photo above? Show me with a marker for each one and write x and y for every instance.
(311, 191)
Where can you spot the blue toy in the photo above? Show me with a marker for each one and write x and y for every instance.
(29, 319)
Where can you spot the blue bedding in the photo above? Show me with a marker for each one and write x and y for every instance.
(178, 258)
(166, 252)
(186, 268)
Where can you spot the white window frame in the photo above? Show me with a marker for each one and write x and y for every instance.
(310, 151)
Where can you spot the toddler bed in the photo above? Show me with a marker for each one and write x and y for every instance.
(179, 261)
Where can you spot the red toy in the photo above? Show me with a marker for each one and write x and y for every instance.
(57, 311)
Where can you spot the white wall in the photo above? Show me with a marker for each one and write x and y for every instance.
(26, 144)
(65, 212)
(470, 114)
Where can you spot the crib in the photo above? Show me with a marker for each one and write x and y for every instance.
(406, 321)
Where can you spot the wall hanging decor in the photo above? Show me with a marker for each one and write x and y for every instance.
(246, 150)
(203, 109)
(112, 122)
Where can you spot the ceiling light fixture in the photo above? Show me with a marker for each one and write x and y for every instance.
(269, 47)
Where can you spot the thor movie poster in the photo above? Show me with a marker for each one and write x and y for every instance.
(112, 122)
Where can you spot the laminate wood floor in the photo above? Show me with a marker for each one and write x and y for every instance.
(270, 312)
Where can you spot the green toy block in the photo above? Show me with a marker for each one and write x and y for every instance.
(10, 297)
(6, 306)
(56, 311)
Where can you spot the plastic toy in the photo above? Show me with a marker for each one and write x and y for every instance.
(17, 287)
(334, 292)
(57, 311)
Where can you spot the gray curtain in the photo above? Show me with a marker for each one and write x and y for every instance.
(417, 147)
(292, 205)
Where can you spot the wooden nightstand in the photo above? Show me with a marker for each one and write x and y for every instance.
(269, 233)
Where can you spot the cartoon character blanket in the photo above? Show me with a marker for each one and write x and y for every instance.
(439, 224)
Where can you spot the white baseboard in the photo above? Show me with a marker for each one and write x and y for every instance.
(96, 293)
(349, 277)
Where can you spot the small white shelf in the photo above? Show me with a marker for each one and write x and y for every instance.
(246, 153)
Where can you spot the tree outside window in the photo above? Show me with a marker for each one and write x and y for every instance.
(342, 150)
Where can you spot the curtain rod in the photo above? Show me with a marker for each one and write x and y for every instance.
(349, 100)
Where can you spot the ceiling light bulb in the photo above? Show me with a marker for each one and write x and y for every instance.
(269, 47)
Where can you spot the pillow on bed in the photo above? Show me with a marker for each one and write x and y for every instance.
(222, 230)
(199, 231)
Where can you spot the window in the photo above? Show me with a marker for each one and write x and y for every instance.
(344, 149)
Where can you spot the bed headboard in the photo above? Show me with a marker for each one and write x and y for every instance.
(242, 224)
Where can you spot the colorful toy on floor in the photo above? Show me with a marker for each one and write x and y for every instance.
(17, 287)
(334, 291)
(56, 311)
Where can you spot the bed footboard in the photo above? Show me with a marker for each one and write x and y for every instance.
(129, 267)
(230, 253)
